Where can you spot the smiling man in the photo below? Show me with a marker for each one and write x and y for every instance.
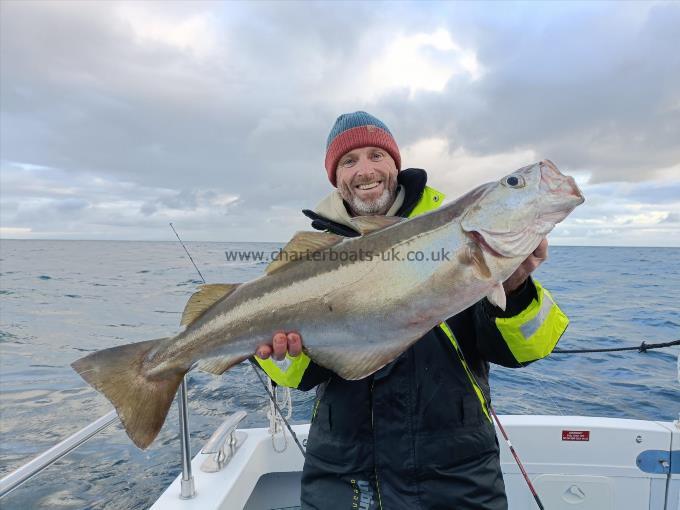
(365, 175)
(417, 434)
(368, 181)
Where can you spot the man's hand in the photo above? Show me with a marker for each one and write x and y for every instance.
(527, 267)
(281, 344)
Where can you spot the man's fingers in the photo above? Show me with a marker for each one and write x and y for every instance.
(541, 252)
(294, 344)
(280, 343)
(264, 351)
(530, 264)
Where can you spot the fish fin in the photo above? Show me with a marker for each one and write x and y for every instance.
(300, 245)
(353, 364)
(368, 224)
(474, 256)
(200, 301)
(220, 364)
(497, 296)
(142, 404)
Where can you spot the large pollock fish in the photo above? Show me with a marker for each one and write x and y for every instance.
(358, 303)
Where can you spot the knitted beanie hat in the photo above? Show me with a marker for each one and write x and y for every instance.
(353, 131)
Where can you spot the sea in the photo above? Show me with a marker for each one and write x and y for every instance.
(60, 300)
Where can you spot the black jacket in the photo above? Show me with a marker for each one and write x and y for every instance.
(413, 435)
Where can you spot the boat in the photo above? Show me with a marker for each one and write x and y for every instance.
(574, 463)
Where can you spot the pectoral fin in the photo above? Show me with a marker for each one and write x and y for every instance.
(497, 296)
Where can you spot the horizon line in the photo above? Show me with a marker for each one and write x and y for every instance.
(262, 242)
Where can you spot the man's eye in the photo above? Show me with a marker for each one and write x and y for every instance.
(377, 156)
(347, 162)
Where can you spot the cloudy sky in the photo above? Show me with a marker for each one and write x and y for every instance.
(119, 117)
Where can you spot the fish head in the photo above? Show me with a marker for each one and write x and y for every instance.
(514, 214)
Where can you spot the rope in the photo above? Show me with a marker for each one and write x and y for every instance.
(273, 399)
(643, 347)
(275, 417)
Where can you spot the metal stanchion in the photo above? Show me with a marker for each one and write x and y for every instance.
(188, 490)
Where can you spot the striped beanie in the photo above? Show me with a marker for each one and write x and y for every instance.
(353, 131)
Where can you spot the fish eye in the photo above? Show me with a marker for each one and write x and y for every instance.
(514, 181)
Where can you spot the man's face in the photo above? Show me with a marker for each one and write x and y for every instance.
(367, 180)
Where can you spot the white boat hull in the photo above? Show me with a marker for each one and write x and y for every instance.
(575, 463)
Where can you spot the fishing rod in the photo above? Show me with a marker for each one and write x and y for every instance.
(517, 461)
(187, 252)
(506, 438)
(252, 363)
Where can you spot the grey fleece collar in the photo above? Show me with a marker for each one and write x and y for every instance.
(333, 207)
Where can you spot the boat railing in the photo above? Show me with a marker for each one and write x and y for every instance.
(49, 457)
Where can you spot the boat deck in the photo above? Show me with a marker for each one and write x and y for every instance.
(574, 462)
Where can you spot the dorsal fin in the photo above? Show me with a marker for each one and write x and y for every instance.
(301, 245)
(206, 296)
(367, 224)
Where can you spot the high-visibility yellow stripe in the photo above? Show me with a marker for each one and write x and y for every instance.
(429, 201)
(478, 391)
(289, 376)
(533, 333)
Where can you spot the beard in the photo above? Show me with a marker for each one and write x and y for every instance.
(376, 206)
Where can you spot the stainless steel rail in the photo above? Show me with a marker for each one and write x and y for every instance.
(187, 489)
(45, 459)
(49, 457)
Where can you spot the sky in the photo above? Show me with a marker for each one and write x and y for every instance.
(117, 118)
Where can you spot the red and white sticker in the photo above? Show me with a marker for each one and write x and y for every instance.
(576, 435)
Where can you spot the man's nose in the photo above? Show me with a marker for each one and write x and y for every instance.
(364, 166)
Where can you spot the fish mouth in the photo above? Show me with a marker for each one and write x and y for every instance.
(555, 182)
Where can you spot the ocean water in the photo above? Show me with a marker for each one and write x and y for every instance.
(63, 299)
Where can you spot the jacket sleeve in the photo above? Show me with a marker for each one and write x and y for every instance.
(526, 331)
(294, 372)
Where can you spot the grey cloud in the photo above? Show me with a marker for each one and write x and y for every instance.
(70, 205)
(118, 119)
(147, 209)
(604, 97)
(149, 114)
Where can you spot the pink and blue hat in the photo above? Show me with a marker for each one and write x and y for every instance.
(353, 131)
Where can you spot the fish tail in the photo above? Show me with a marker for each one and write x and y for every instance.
(141, 403)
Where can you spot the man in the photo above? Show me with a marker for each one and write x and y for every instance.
(417, 434)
